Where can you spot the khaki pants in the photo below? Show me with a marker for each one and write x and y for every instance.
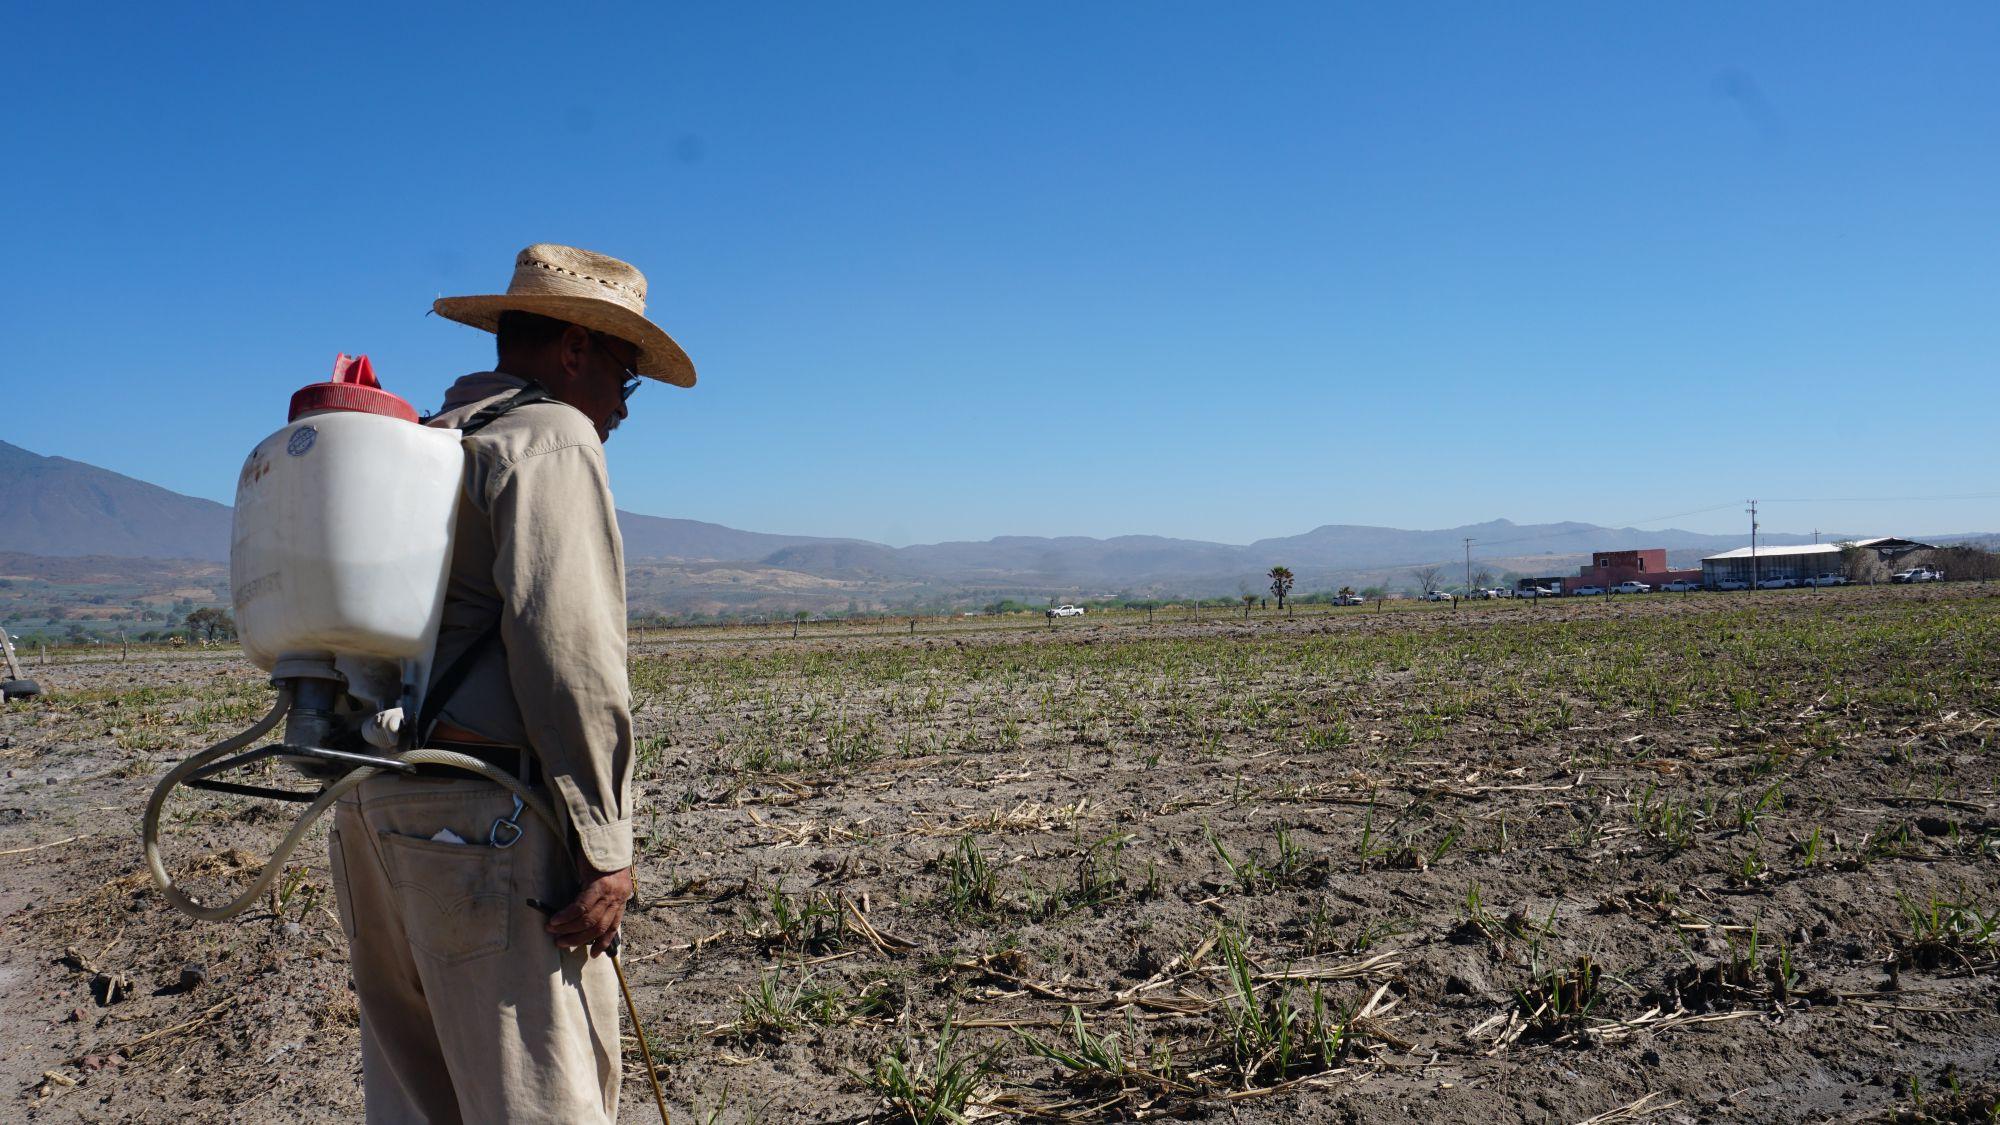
(469, 1012)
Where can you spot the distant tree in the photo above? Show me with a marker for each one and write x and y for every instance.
(1482, 579)
(1281, 584)
(1427, 578)
(1249, 600)
(1860, 564)
(211, 624)
(1965, 561)
(1345, 592)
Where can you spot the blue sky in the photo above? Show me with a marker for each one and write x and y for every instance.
(954, 271)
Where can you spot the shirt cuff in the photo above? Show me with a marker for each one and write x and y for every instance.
(606, 844)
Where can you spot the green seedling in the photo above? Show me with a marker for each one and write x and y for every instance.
(1099, 1062)
(1100, 871)
(929, 1088)
(808, 923)
(1557, 1001)
(971, 887)
(1668, 820)
(1945, 931)
(1810, 849)
(1274, 1038)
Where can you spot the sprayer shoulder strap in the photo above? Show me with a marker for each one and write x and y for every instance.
(527, 396)
(454, 675)
(447, 685)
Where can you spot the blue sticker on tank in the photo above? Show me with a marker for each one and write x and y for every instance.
(302, 441)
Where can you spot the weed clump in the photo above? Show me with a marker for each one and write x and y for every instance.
(1947, 933)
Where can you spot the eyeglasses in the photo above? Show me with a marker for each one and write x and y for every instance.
(631, 377)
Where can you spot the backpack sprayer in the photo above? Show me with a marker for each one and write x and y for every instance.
(339, 555)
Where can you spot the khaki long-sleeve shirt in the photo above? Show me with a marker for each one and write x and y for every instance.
(537, 545)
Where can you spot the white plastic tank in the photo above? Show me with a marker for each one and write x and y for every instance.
(342, 537)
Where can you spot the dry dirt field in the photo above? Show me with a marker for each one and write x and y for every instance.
(1660, 858)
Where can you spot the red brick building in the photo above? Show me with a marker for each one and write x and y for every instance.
(1609, 568)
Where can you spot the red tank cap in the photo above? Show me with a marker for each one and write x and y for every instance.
(353, 387)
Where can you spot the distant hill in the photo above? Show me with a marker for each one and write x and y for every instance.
(843, 560)
(52, 506)
(56, 506)
(657, 537)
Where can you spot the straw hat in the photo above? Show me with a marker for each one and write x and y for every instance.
(600, 293)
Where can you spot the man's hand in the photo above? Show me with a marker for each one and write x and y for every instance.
(593, 918)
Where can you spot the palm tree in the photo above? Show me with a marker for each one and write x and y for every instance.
(1281, 583)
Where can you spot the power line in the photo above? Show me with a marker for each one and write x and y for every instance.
(1881, 499)
(1678, 515)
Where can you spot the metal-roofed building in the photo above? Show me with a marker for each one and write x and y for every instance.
(1798, 561)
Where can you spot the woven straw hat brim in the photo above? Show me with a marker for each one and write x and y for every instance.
(659, 357)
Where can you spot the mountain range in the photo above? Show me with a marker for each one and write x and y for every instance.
(60, 507)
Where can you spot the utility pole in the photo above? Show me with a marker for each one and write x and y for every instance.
(1753, 543)
(1468, 564)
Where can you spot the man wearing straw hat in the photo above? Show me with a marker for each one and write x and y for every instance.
(474, 1006)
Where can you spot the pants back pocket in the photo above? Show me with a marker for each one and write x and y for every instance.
(455, 898)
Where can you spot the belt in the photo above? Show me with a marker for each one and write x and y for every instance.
(513, 759)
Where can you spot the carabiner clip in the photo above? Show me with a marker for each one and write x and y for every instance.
(506, 830)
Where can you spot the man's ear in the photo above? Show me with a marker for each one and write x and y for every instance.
(573, 350)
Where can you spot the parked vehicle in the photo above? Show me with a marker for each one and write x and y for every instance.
(1066, 611)
(1777, 583)
(1918, 574)
(1537, 592)
(1631, 587)
(1828, 580)
(1586, 591)
(1679, 586)
(1349, 599)
(1437, 596)
(1731, 584)
(1496, 592)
